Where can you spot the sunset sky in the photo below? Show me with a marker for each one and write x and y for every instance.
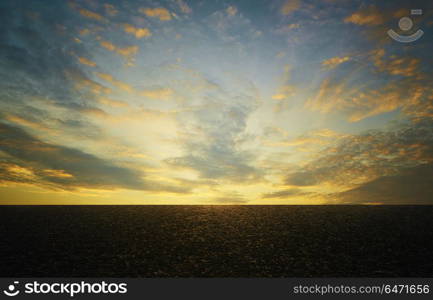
(214, 102)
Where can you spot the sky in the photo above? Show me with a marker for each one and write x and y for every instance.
(215, 102)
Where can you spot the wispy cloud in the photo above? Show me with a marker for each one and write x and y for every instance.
(231, 10)
(184, 7)
(137, 32)
(290, 6)
(86, 62)
(117, 83)
(161, 13)
(368, 16)
(126, 52)
(65, 168)
(284, 194)
(110, 9)
(91, 15)
(357, 160)
(333, 62)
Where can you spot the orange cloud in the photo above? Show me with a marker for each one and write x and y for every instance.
(21, 171)
(231, 10)
(111, 102)
(327, 98)
(137, 32)
(306, 142)
(159, 12)
(81, 83)
(157, 93)
(57, 173)
(90, 14)
(107, 45)
(369, 16)
(404, 66)
(333, 62)
(27, 123)
(126, 52)
(110, 9)
(117, 83)
(284, 92)
(86, 62)
(84, 31)
(407, 94)
(290, 6)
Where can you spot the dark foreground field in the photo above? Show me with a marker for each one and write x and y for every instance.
(216, 241)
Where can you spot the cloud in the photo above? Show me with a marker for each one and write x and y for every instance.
(117, 83)
(287, 28)
(110, 9)
(292, 26)
(212, 139)
(231, 10)
(369, 16)
(184, 7)
(82, 83)
(137, 32)
(290, 6)
(155, 93)
(284, 92)
(307, 142)
(303, 179)
(85, 169)
(107, 45)
(404, 66)
(112, 102)
(407, 89)
(86, 62)
(230, 198)
(41, 61)
(57, 173)
(162, 93)
(288, 193)
(160, 13)
(126, 52)
(29, 123)
(358, 159)
(90, 14)
(412, 186)
(333, 62)
(63, 167)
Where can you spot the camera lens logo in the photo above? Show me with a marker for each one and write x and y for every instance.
(12, 290)
(406, 24)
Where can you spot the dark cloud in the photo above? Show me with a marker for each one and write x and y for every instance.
(85, 170)
(230, 198)
(358, 158)
(285, 194)
(413, 186)
(302, 179)
(392, 166)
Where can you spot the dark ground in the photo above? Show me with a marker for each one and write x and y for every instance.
(216, 241)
